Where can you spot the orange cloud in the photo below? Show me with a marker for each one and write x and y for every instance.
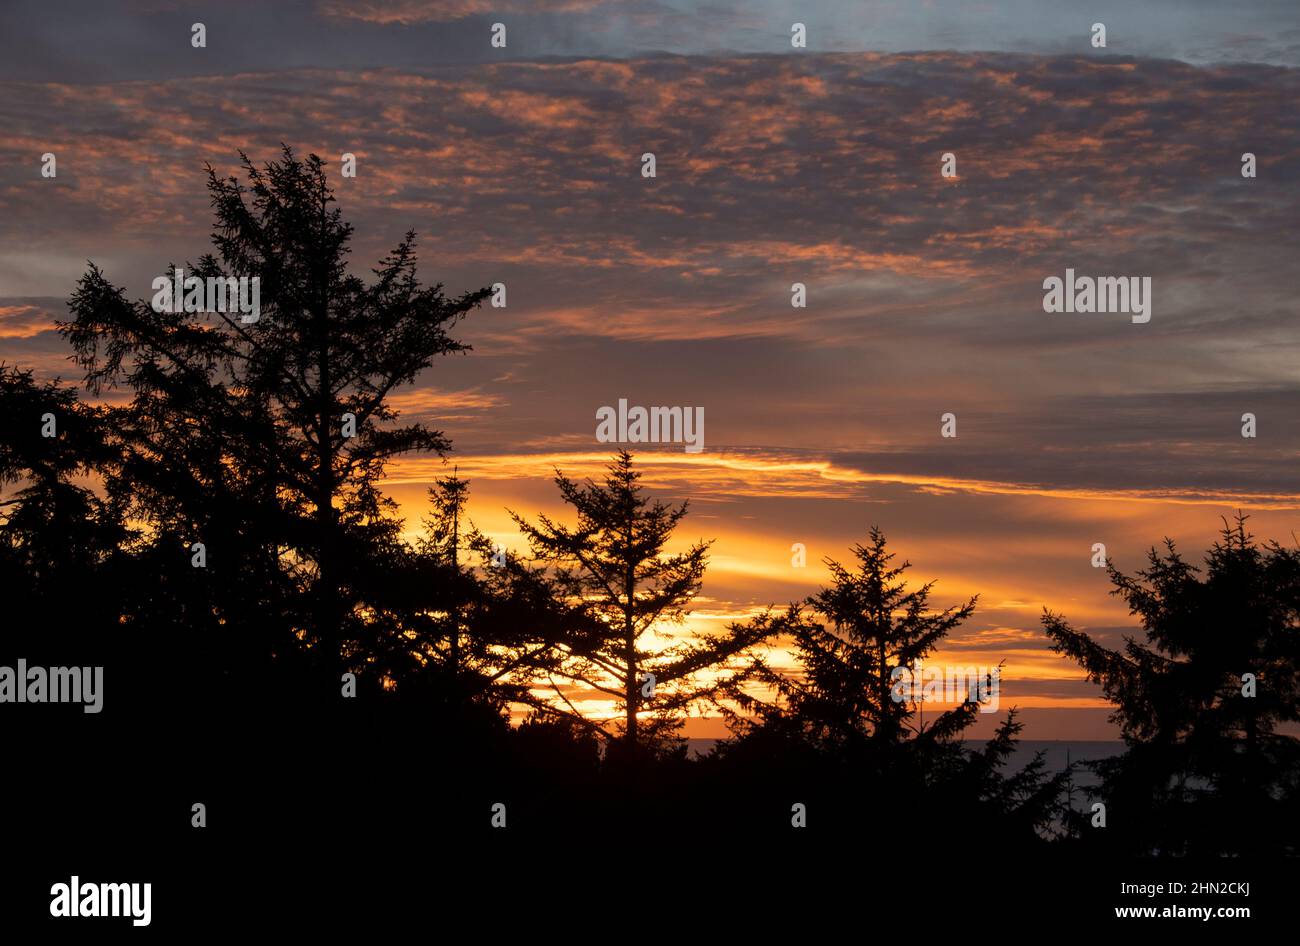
(24, 321)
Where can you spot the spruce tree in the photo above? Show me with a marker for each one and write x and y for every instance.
(611, 567)
(848, 639)
(472, 624)
(266, 440)
(840, 724)
(1200, 700)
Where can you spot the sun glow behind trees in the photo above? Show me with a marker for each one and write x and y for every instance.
(755, 505)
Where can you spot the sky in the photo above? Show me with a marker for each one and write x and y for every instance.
(774, 166)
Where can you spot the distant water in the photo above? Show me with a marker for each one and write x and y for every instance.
(696, 747)
(1057, 753)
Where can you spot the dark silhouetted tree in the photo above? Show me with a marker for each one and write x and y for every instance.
(848, 639)
(473, 626)
(1206, 770)
(241, 435)
(612, 567)
(840, 720)
(55, 531)
(64, 558)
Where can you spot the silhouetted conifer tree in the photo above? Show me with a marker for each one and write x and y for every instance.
(612, 567)
(848, 639)
(266, 440)
(473, 624)
(836, 720)
(1206, 770)
(63, 547)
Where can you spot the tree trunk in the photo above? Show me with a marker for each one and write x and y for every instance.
(629, 642)
(327, 596)
(454, 658)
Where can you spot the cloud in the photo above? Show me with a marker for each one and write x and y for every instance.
(822, 169)
(731, 473)
(924, 294)
(443, 405)
(24, 321)
(115, 40)
(423, 11)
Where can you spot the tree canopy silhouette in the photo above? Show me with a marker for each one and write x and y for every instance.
(871, 623)
(838, 719)
(612, 566)
(1206, 770)
(265, 441)
(474, 626)
(259, 447)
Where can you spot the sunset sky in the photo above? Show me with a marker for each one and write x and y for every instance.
(774, 166)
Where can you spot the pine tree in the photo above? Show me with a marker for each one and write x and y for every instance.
(612, 568)
(56, 527)
(1205, 770)
(472, 624)
(848, 639)
(61, 544)
(840, 721)
(267, 440)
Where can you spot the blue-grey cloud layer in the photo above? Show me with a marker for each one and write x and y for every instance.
(113, 40)
(924, 294)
